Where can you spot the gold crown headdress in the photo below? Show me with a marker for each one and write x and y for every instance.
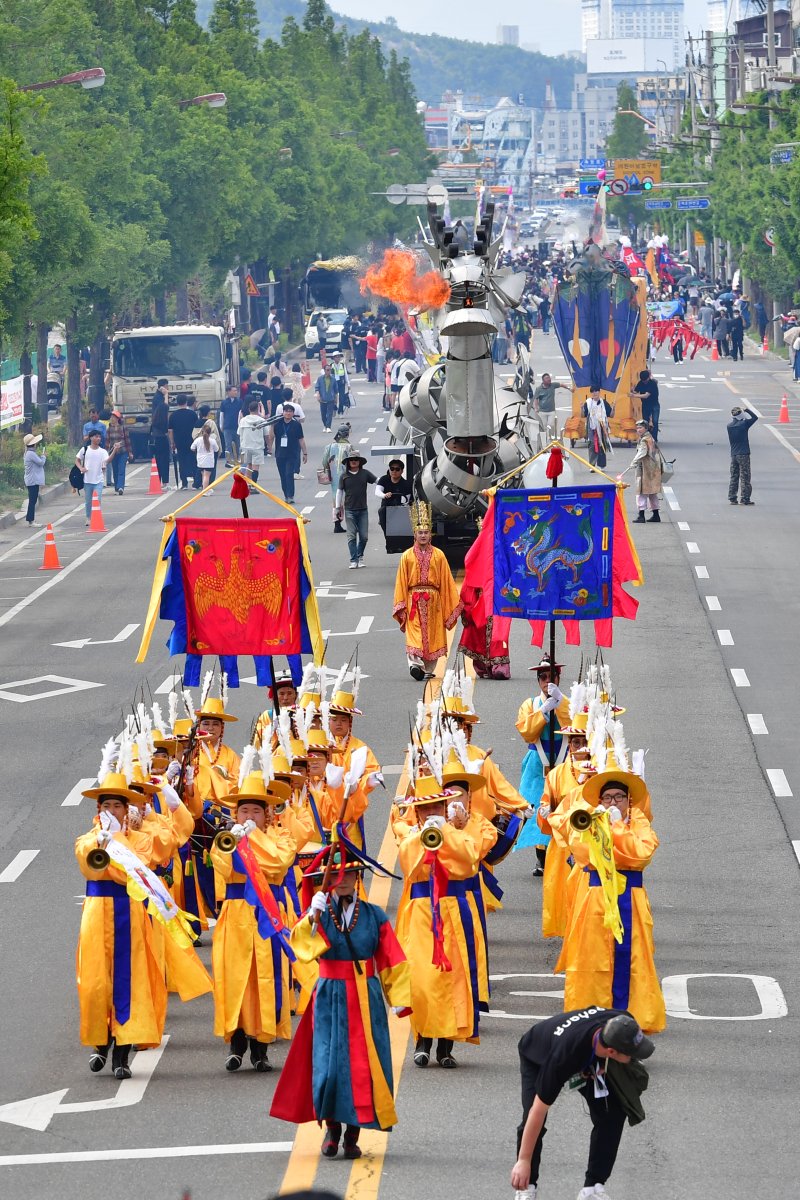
(421, 515)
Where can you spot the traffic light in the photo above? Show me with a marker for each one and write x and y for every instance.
(647, 185)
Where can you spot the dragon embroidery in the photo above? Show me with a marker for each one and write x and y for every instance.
(237, 592)
(541, 555)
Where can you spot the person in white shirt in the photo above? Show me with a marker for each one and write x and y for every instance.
(91, 461)
(251, 440)
(206, 448)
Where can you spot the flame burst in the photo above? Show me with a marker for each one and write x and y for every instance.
(396, 278)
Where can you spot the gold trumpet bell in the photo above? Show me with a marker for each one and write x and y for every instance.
(581, 819)
(225, 842)
(98, 859)
(431, 837)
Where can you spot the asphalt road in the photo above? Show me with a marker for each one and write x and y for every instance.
(721, 1122)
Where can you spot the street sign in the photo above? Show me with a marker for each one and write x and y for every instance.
(250, 285)
(654, 205)
(437, 193)
(589, 187)
(781, 156)
(699, 238)
(692, 203)
(591, 164)
(769, 237)
(618, 187)
(396, 193)
(637, 169)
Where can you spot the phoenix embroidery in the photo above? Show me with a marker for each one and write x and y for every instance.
(237, 592)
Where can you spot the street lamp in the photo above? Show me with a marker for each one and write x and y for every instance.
(632, 113)
(212, 100)
(739, 106)
(93, 77)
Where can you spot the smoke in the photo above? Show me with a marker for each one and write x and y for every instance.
(396, 278)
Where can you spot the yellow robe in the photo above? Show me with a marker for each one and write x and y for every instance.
(213, 782)
(95, 954)
(244, 977)
(589, 948)
(442, 1001)
(531, 722)
(559, 789)
(426, 601)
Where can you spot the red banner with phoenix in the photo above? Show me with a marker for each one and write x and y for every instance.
(241, 585)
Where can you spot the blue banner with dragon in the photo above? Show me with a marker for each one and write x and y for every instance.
(553, 553)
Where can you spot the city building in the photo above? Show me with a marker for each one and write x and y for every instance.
(620, 21)
(507, 35)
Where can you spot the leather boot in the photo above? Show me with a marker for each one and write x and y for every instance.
(258, 1056)
(119, 1062)
(655, 516)
(351, 1146)
(444, 1054)
(236, 1050)
(640, 519)
(333, 1132)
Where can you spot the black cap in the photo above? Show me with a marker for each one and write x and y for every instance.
(622, 1033)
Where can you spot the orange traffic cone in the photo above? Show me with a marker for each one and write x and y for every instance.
(714, 352)
(783, 416)
(155, 480)
(764, 345)
(50, 561)
(96, 524)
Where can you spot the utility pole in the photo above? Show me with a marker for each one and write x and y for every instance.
(772, 57)
(740, 71)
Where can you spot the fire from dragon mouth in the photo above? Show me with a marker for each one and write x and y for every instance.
(396, 278)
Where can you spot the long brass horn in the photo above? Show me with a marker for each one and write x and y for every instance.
(581, 819)
(431, 837)
(98, 859)
(225, 842)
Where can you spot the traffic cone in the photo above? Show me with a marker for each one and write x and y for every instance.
(155, 480)
(783, 416)
(50, 561)
(764, 345)
(714, 352)
(96, 524)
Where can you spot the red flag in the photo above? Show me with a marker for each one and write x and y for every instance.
(479, 569)
(632, 260)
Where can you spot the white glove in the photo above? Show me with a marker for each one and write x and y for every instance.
(109, 822)
(103, 836)
(434, 823)
(171, 796)
(189, 775)
(237, 831)
(319, 902)
(528, 812)
(334, 776)
(173, 770)
(134, 817)
(456, 809)
(249, 826)
(549, 704)
(614, 814)
(374, 779)
(544, 811)
(553, 690)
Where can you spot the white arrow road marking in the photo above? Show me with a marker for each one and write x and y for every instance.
(691, 409)
(364, 625)
(80, 1156)
(38, 1111)
(328, 594)
(79, 643)
(76, 795)
(17, 865)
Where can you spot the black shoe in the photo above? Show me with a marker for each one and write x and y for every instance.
(330, 1146)
(119, 1062)
(416, 673)
(258, 1056)
(99, 1057)
(422, 1051)
(338, 527)
(233, 1061)
(735, 502)
(654, 517)
(537, 871)
(351, 1147)
(123, 1072)
(640, 519)
(444, 1055)
(747, 502)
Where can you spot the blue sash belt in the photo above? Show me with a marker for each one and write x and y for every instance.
(234, 891)
(621, 984)
(460, 889)
(122, 943)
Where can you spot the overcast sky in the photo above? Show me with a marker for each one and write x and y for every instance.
(554, 27)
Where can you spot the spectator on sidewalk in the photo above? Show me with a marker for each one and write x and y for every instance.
(736, 334)
(34, 474)
(251, 440)
(118, 444)
(739, 438)
(91, 461)
(351, 500)
(229, 416)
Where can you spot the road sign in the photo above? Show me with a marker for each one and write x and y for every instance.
(654, 205)
(769, 237)
(637, 169)
(589, 187)
(781, 156)
(699, 238)
(618, 187)
(692, 203)
(437, 193)
(250, 285)
(396, 193)
(591, 164)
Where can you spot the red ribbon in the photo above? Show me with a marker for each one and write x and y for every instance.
(415, 599)
(439, 881)
(264, 894)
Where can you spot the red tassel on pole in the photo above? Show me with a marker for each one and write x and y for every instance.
(555, 464)
(240, 489)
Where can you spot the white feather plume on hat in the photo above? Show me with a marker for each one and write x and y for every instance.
(577, 699)
(247, 763)
(108, 759)
(125, 761)
(267, 766)
(188, 702)
(145, 753)
(205, 691)
(158, 717)
(283, 730)
(325, 716)
(621, 751)
(172, 710)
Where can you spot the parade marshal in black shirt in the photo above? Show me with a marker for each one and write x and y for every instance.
(557, 1050)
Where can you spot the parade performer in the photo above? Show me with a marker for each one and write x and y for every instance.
(600, 1045)
(338, 715)
(339, 1066)
(608, 953)
(251, 970)
(485, 636)
(533, 725)
(121, 989)
(440, 927)
(426, 600)
(284, 691)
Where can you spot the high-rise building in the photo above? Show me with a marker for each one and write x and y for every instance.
(722, 15)
(623, 19)
(508, 35)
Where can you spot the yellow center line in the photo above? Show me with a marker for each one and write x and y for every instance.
(365, 1173)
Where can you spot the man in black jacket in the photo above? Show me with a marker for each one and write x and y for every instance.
(574, 1046)
(739, 438)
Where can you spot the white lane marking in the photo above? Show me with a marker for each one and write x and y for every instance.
(379, 420)
(701, 572)
(795, 847)
(363, 441)
(75, 797)
(320, 495)
(740, 677)
(778, 782)
(771, 1000)
(371, 429)
(364, 625)
(693, 547)
(697, 376)
(305, 511)
(787, 445)
(678, 378)
(725, 637)
(713, 604)
(683, 526)
(325, 583)
(76, 1156)
(394, 769)
(67, 686)
(671, 499)
(757, 724)
(79, 561)
(81, 643)
(17, 865)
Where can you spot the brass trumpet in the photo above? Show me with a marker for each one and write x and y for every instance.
(225, 842)
(431, 837)
(98, 859)
(581, 819)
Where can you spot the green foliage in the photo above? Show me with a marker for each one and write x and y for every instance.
(628, 139)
